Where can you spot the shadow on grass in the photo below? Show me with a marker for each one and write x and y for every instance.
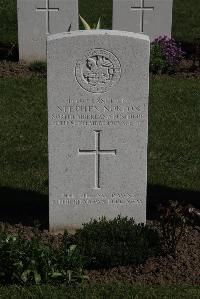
(28, 207)
(25, 207)
(157, 195)
(9, 52)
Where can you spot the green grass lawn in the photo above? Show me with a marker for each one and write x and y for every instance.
(8, 21)
(108, 291)
(23, 131)
(174, 117)
(173, 159)
(186, 21)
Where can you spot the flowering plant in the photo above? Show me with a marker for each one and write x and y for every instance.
(166, 55)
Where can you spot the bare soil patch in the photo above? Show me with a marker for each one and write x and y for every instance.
(184, 269)
(17, 69)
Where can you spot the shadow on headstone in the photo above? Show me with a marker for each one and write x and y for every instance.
(161, 195)
(25, 207)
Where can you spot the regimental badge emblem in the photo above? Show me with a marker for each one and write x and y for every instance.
(98, 71)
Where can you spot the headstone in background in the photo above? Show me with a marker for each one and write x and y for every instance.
(151, 17)
(98, 87)
(37, 19)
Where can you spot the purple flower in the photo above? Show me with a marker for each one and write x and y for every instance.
(171, 50)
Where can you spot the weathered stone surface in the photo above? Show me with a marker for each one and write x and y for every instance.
(98, 86)
(151, 17)
(37, 19)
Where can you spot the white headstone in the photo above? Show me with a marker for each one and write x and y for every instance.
(151, 17)
(37, 19)
(98, 86)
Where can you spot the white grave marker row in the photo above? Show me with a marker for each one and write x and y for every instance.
(39, 18)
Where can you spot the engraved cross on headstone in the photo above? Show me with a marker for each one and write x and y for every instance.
(97, 152)
(142, 8)
(47, 10)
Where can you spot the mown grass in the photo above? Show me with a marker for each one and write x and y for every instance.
(23, 131)
(173, 159)
(8, 21)
(100, 291)
(186, 21)
(174, 117)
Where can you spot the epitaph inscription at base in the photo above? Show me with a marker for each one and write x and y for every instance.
(98, 116)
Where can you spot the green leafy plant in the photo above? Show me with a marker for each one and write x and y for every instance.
(88, 27)
(108, 243)
(38, 66)
(158, 64)
(173, 221)
(33, 261)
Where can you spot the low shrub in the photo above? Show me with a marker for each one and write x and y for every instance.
(109, 243)
(173, 222)
(33, 261)
(166, 55)
(38, 66)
